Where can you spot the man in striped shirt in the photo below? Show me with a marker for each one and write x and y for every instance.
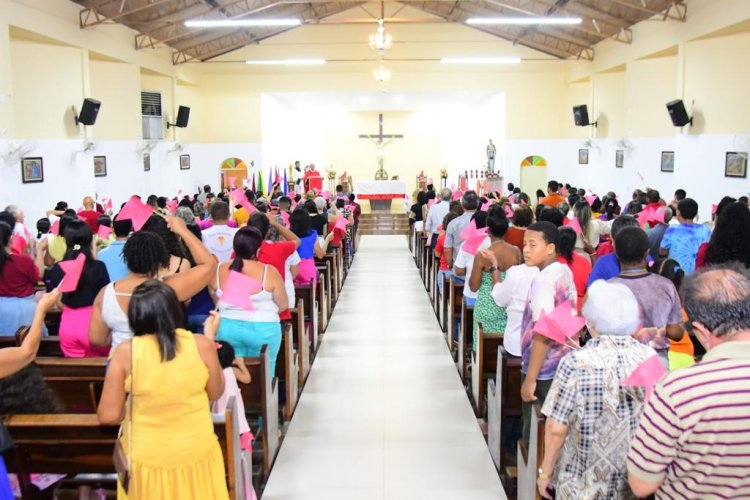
(693, 440)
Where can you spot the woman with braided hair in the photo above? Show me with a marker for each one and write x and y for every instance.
(146, 257)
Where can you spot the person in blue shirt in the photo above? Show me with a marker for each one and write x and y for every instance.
(112, 255)
(607, 266)
(681, 242)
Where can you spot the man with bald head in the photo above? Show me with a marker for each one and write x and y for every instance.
(89, 214)
(693, 434)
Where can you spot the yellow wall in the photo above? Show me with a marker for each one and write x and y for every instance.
(649, 85)
(120, 115)
(47, 83)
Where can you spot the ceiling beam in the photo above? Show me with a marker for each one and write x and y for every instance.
(85, 21)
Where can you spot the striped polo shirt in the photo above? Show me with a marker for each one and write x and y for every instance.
(694, 433)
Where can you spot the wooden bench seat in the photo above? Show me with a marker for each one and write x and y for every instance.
(483, 366)
(78, 444)
(465, 342)
(48, 346)
(287, 371)
(503, 402)
(301, 344)
(307, 293)
(77, 382)
(530, 458)
(455, 298)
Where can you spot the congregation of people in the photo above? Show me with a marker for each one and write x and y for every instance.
(152, 298)
(661, 292)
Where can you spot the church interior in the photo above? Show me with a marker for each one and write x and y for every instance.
(376, 391)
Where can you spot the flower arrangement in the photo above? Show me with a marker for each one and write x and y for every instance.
(443, 173)
(330, 173)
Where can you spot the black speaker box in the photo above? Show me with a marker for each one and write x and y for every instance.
(89, 111)
(678, 113)
(581, 115)
(183, 115)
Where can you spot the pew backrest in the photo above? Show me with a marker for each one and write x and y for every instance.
(77, 443)
(261, 398)
(529, 458)
(288, 371)
(77, 382)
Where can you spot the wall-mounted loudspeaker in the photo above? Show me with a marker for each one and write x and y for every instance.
(678, 113)
(581, 116)
(89, 112)
(183, 115)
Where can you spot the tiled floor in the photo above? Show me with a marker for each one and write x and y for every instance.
(383, 414)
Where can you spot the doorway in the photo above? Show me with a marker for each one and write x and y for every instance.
(533, 175)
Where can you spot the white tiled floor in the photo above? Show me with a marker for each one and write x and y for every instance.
(384, 414)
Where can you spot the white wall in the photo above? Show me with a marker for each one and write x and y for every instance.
(69, 173)
(699, 165)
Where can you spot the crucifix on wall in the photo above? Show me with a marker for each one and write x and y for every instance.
(380, 142)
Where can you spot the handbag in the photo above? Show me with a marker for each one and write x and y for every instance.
(121, 461)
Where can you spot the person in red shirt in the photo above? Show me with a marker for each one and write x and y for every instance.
(19, 276)
(444, 270)
(89, 215)
(579, 265)
(276, 253)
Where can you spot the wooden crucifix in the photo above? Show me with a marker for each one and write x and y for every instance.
(380, 141)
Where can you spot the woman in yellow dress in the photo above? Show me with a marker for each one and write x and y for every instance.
(169, 438)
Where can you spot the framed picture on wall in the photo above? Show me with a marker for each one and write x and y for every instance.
(100, 166)
(667, 161)
(735, 165)
(583, 156)
(32, 170)
(184, 162)
(146, 162)
(619, 158)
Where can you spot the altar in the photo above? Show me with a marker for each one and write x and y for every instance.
(380, 194)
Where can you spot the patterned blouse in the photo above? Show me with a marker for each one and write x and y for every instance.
(601, 414)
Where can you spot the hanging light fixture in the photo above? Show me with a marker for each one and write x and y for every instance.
(380, 40)
(382, 73)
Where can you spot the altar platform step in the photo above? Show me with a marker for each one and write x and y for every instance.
(383, 223)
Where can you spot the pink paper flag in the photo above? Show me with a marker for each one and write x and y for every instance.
(648, 215)
(457, 195)
(561, 324)
(523, 202)
(231, 182)
(486, 206)
(573, 222)
(714, 208)
(55, 229)
(172, 206)
(341, 223)
(238, 288)
(326, 195)
(646, 375)
(238, 195)
(471, 244)
(285, 218)
(137, 211)
(247, 206)
(72, 269)
(430, 202)
(104, 232)
(508, 211)
(470, 229)
(590, 199)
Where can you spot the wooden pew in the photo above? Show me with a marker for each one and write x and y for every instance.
(465, 339)
(330, 263)
(301, 344)
(307, 294)
(287, 371)
(483, 366)
(78, 444)
(503, 401)
(77, 382)
(261, 399)
(443, 305)
(455, 297)
(530, 458)
(428, 259)
(326, 271)
(48, 346)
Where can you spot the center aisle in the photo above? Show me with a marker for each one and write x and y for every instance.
(384, 414)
